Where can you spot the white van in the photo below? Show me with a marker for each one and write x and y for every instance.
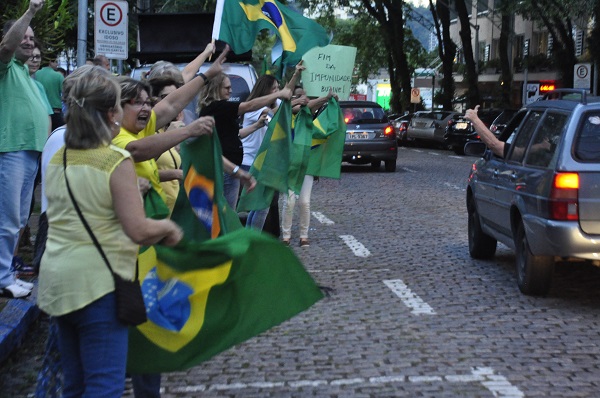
(243, 78)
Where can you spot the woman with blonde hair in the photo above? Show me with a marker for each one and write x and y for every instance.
(75, 285)
(214, 101)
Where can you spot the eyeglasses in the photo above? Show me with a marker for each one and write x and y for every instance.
(35, 58)
(139, 103)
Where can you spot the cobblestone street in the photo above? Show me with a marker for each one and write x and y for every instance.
(410, 313)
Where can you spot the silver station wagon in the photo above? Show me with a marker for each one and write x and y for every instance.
(543, 198)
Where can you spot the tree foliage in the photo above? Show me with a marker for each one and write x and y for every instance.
(51, 24)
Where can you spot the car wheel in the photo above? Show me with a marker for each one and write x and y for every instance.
(459, 150)
(390, 166)
(534, 273)
(481, 245)
(376, 164)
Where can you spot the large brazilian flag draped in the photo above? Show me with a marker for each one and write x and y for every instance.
(238, 22)
(221, 285)
(329, 134)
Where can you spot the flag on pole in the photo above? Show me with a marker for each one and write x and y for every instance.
(220, 286)
(329, 134)
(272, 162)
(238, 22)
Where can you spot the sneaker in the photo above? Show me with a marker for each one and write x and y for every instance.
(24, 285)
(20, 268)
(14, 291)
(304, 242)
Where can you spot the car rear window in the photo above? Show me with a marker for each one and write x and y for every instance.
(364, 115)
(587, 143)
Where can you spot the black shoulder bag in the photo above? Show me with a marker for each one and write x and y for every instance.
(130, 302)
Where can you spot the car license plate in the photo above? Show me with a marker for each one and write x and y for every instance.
(358, 136)
(461, 126)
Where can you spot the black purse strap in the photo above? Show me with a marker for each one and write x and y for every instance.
(85, 224)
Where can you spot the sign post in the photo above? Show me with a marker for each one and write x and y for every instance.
(582, 76)
(111, 29)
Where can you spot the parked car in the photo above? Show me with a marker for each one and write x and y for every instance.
(370, 138)
(429, 126)
(400, 123)
(459, 131)
(542, 199)
(501, 120)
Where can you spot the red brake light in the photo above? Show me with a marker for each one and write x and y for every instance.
(346, 119)
(389, 130)
(563, 203)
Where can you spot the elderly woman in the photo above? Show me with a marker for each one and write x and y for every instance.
(75, 284)
(141, 121)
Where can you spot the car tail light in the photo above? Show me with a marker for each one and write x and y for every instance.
(346, 119)
(388, 131)
(564, 197)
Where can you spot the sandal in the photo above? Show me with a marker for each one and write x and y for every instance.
(285, 242)
(304, 242)
(14, 291)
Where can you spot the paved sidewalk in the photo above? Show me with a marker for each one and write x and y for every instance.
(15, 318)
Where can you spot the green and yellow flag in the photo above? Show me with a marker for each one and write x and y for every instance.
(238, 22)
(329, 134)
(221, 285)
(272, 162)
(301, 144)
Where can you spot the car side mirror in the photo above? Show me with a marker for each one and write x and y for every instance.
(475, 149)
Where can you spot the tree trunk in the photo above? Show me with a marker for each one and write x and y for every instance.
(506, 72)
(473, 97)
(446, 50)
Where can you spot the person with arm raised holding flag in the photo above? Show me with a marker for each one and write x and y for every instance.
(214, 101)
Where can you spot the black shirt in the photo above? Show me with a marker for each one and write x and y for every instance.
(228, 128)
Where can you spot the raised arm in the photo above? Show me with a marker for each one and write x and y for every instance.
(294, 80)
(316, 103)
(192, 68)
(167, 109)
(485, 134)
(265, 100)
(153, 146)
(16, 33)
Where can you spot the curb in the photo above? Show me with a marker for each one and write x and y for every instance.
(15, 319)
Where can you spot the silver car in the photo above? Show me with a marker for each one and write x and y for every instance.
(429, 126)
(542, 198)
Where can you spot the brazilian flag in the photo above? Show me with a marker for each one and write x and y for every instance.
(221, 285)
(272, 162)
(301, 144)
(238, 22)
(329, 134)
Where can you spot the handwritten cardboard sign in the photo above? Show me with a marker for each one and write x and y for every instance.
(328, 68)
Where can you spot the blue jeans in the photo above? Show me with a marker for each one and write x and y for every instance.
(231, 189)
(17, 175)
(146, 385)
(93, 349)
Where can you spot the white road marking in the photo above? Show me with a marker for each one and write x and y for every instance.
(409, 170)
(454, 186)
(434, 153)
(417, 150)
(456, 157)
(497, 384)
(357, 248)
(321, 218)
(344, 271)
(411, 300)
